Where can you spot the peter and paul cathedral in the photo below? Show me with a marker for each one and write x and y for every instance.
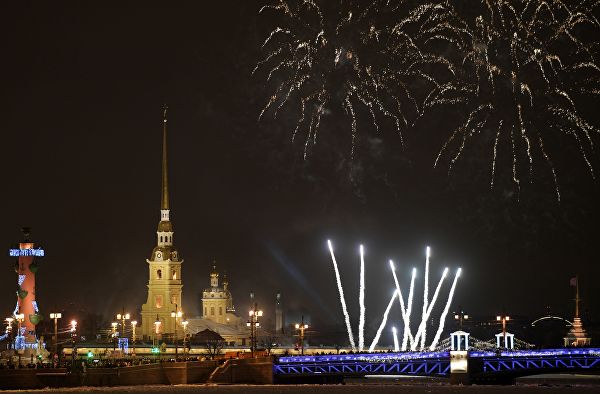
(164, 267)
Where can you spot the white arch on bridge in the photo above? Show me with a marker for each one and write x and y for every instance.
(551, 318)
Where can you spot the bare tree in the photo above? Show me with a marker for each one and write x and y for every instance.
(214, 347)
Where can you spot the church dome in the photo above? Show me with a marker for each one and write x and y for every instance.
(165, 226)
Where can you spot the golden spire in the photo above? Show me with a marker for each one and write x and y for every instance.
(164, 205)
(577, 299)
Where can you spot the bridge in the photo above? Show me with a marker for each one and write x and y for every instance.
(329, 367)
(480, 366)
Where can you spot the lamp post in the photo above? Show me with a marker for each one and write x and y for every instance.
(461, 317)
(184, 324)
(20, 317)
(9, 321)
(73, 335)
(55, 317)
(114, 334)
(503, 318)
(123, 317)
(133, 325)
(176, 315)
(253, 323)
(157, 323)
(302, 326)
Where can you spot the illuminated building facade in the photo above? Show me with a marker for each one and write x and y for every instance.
(164, 267)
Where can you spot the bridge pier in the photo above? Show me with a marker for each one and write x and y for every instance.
(459, 367)
(459, 358)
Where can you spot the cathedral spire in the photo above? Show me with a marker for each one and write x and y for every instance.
(164, 204)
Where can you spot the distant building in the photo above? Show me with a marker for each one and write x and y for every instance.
(218, 313)
(217, 302)
(164, 267)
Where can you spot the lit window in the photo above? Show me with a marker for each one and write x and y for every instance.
(159, 301)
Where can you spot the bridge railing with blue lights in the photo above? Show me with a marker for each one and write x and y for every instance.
(538, 360)
(438, 363)
(370, 357)
(407, 363)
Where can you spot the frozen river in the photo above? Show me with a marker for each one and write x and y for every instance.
(547, 385)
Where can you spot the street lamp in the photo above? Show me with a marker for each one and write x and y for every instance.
(9, 321)
(157, 323)
(461, 317)
(503, 318)
(114, 333)
(176, 315)
(123, 317)
(73, 335)
(302, 326)
(184, 324)
(55, 317)
(19, 317)
(253, 323)
(133, 325)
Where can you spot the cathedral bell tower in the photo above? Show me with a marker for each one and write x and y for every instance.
(164, 283)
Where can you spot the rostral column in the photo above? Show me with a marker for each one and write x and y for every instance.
(26, 268)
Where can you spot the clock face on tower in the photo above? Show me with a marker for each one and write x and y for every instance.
(159, 255)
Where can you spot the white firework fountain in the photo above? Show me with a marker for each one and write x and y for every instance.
(409, 341)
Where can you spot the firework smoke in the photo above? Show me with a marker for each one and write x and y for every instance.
(383, 322)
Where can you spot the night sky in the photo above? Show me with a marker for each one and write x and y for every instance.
(82, 90)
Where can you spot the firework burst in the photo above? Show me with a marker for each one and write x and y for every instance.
(363, 57)
(525, 68)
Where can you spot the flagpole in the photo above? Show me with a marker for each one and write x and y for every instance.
(577, 296)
